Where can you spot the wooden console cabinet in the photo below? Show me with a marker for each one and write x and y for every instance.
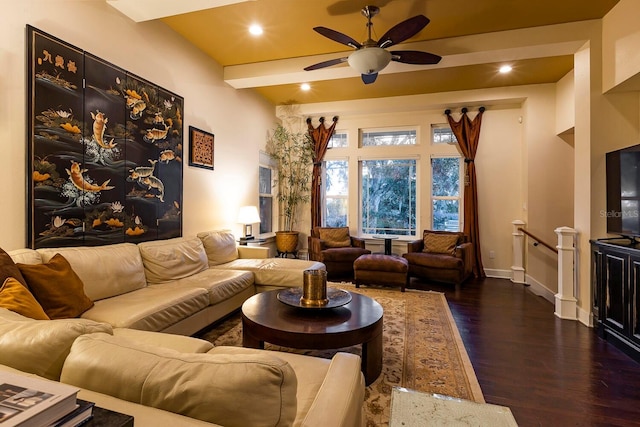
(615, 269)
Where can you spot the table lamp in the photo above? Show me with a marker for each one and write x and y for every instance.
(247, 216)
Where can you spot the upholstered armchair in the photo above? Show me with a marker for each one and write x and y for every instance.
(440, 256)
(336, 249)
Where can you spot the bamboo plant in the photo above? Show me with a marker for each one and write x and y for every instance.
(293, 153)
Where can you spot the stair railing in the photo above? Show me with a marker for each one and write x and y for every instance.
(565, 300)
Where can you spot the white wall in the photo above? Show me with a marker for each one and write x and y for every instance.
(240, 120)
(620, 39)
(517, 122)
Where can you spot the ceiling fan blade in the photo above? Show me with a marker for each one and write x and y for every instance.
(369, 78)
(337, 37)
(324, 64)
(414, 57)
(403, 31)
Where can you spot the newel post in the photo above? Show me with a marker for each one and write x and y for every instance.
(566, 302)
(517, 265)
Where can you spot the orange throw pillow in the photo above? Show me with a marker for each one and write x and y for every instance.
(57, 288)
(15, 297)
(440, 243)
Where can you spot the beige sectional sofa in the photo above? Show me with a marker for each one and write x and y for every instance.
(178, 285)
(171, 380)
(131, 351)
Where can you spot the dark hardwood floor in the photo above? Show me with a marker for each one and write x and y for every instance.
(550, 372)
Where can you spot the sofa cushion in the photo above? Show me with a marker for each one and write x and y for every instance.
(153, 308)
(274, 271)
(439, 261)
(312, 369)
(344, 255)
(220, 285)
(40, 346)
(17, 298)
(25, 256)
(230, 390)
(172, 259)
(8, 268)
(336, 237)
(440, 243)
(181, 343)
(57, 288)
(106, 271)
(220, 246)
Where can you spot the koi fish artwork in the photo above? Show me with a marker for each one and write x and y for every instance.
(167, 155)
(99, 126)
(156, 134)
(135, 103)
(142, 171)
(75, 174)
(153, 182)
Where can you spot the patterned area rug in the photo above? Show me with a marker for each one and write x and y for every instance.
(422, 349)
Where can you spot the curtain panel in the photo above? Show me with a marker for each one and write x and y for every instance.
(467, 132)
(320, 136)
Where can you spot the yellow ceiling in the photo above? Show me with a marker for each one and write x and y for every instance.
(463, 33)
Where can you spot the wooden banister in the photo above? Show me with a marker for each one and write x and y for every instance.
(538, 240)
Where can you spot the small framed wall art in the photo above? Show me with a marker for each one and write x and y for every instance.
(201, 145)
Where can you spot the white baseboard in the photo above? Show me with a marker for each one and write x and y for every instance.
(498, 274)
(541, 290)
(585, 317)
(535, 287)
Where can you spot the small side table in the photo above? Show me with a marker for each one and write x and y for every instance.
(387, 242)
(412, 408)
(105, 418)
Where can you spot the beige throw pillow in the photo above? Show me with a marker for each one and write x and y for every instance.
(440, 243)
(335, 237)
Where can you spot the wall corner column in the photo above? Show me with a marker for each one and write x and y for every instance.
(517, 264)
(565, 300)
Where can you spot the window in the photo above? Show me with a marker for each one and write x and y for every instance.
(386, 137)
(266, 199)
(445, 193)
(338, 140)
(388, 196)
(336, 187)
(442, 134)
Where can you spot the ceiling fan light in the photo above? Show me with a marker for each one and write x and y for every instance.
(369, 60)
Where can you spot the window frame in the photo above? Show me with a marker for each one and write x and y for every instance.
(360, 200)
(461, 183)
(323, 194)
(266, 162)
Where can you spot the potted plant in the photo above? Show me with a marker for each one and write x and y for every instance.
(293, 153)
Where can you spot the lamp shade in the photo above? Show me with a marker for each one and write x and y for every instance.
(248, 215)
(369, 60)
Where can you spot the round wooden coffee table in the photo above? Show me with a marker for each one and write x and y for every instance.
(266, 319)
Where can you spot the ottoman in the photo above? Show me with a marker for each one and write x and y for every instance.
(378, 269)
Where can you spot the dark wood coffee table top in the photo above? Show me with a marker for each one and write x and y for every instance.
(266, 319)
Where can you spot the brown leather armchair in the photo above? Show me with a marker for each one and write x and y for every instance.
(448, 257)
(336, 249)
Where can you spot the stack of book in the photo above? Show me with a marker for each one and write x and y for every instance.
(32, 402)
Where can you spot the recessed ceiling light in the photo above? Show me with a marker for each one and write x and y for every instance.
(255, 29)
(505, 69)
(305, 86)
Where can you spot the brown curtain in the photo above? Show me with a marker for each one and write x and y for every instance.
(320, 137)
(467, 132)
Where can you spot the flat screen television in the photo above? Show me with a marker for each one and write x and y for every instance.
(623, 192)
